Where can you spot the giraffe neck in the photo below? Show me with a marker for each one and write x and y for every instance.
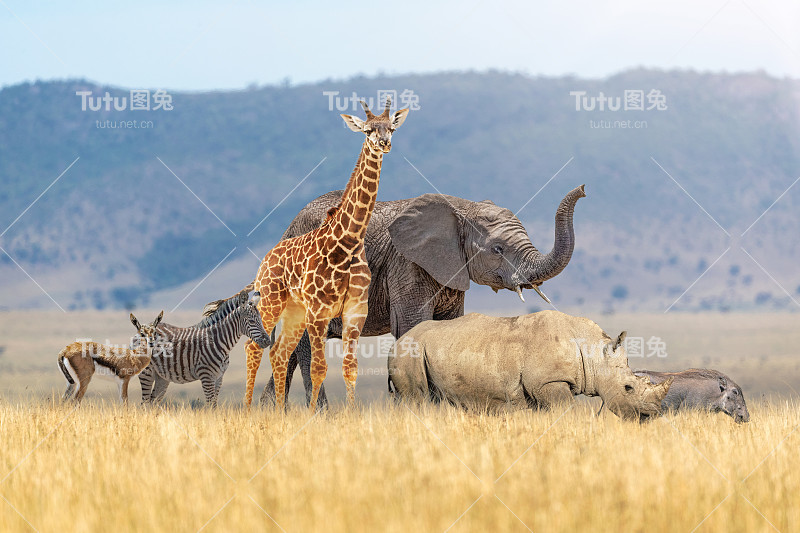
(359, 197)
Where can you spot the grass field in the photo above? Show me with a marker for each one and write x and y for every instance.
(396, 467)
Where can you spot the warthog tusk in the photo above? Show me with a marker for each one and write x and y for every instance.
(540, 293)
(519, 293)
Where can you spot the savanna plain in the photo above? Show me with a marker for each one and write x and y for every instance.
(396, 467)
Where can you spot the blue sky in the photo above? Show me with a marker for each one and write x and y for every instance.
(206, 45)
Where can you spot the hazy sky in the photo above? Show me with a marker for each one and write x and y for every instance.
(205, 45)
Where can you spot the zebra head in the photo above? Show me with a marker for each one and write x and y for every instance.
(253, 326)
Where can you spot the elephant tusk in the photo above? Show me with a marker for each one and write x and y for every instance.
(519, 293)
(540, 293)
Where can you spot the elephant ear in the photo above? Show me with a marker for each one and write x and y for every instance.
(427, 233)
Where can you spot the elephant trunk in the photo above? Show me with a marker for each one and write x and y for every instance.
(538, 268)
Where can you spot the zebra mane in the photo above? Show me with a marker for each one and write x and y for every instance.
(223, 309)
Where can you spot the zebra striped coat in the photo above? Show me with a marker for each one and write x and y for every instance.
(202, 351)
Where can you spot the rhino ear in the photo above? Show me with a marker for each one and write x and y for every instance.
(620, 340)
(427, 233)
(723, 384)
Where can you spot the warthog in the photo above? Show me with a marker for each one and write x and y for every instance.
(700, 388)
(532, 361)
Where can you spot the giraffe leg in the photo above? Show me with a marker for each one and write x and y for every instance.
(271, 306)
(253, 353)
(354, 314)
(293, 319)
(319, 365)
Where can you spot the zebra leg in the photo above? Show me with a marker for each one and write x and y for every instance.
(159, 389)
(209, 384)
(217, 387)
(146, 382)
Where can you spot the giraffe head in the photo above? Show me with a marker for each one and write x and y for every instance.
(377, 128)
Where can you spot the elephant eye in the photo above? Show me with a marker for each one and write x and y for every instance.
(497, 249)
(628, 388)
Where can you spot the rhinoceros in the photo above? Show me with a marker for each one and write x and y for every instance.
(701, 388)
(531, 361)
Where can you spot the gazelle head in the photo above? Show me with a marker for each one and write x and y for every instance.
(147, 332)
(377, 128)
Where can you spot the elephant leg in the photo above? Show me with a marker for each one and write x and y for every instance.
(412, 297)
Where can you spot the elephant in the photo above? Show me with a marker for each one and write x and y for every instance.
(531, 361)
(424, 251)
(702, 388)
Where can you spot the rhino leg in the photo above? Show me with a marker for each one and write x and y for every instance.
(552, 394)
(408, 375)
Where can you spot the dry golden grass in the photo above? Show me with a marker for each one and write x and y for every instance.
(395, 468)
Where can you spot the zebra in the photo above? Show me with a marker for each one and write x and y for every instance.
(202, 351)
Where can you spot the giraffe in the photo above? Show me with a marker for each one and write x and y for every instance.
(308, 280)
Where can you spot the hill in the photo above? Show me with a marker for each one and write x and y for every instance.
(145, 213)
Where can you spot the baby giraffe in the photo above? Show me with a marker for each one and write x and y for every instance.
(79, 360)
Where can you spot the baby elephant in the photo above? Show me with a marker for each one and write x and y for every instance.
(701, 389)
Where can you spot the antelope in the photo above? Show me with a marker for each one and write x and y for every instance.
(81, 359)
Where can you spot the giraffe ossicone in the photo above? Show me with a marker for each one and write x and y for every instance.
(308, 280)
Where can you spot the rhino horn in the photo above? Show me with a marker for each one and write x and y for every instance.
(663, 388)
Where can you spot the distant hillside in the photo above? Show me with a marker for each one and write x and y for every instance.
(120, 230)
